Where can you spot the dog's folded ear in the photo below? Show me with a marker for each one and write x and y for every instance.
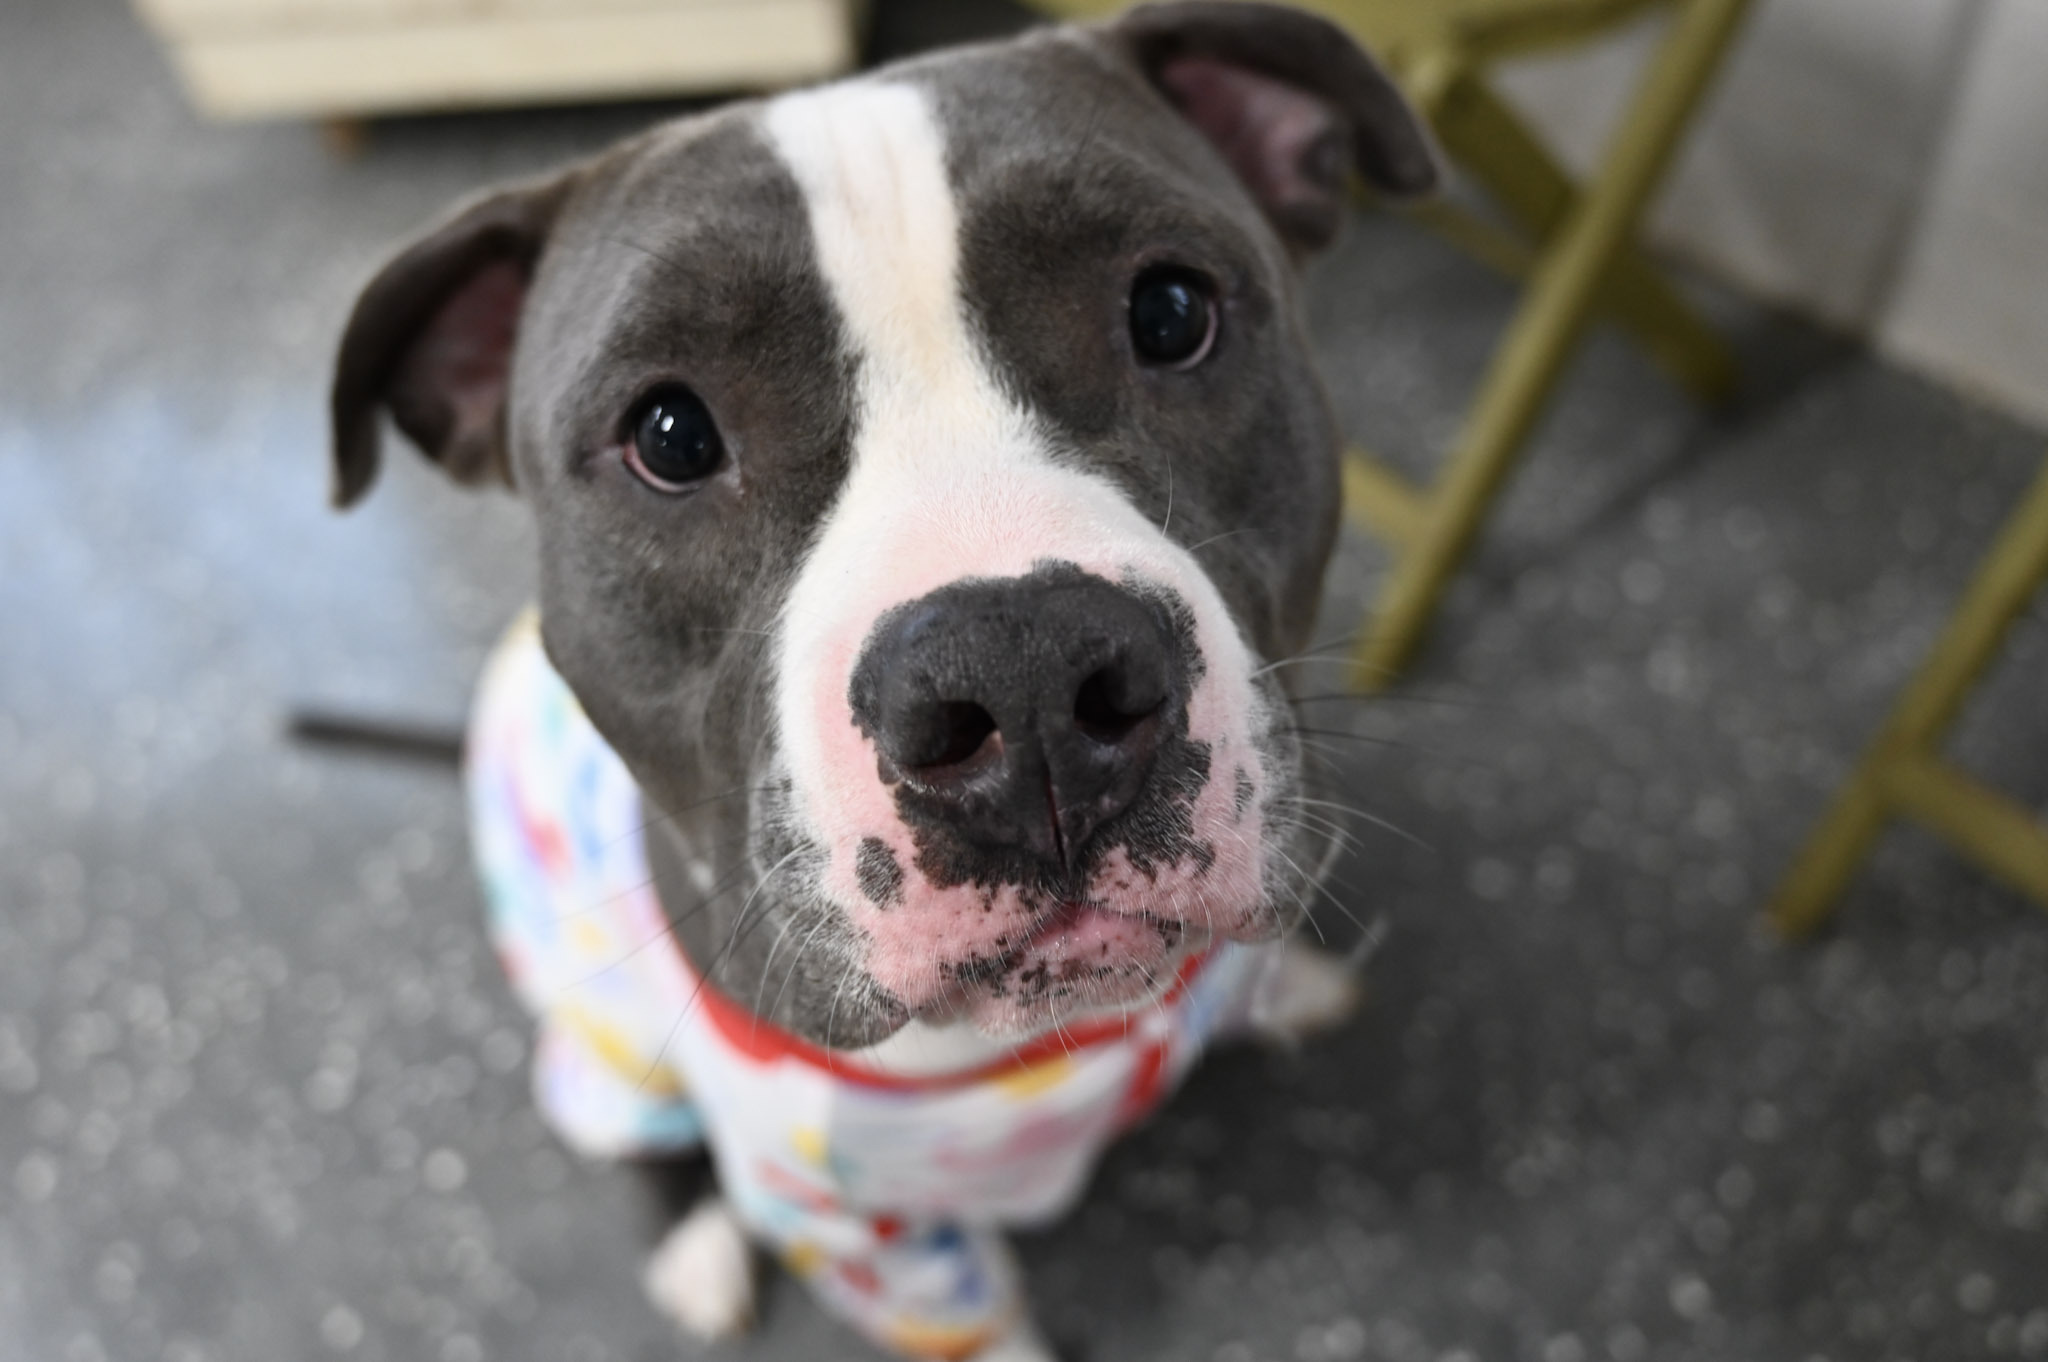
(1289, 100)
(431, 338)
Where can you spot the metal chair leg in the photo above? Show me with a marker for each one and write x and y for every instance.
(1902, 773)
(1539, 340)
(1490, 140)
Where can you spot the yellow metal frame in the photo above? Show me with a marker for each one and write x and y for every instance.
(1903, 771)
(1574, 245)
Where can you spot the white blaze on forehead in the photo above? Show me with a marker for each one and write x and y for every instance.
(950, 476)
(941, 455)
(871, 163)
(872, 167)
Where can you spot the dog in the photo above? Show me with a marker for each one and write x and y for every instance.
(895, 787)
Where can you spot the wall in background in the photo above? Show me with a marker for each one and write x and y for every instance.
(1880, 164)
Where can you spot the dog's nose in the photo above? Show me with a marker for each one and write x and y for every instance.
(1025, 713)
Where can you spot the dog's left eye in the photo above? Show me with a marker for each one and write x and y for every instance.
(1173, 317)
(673, 440)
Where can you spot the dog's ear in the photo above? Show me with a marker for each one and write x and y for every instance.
(431, 337)
(1291, 102)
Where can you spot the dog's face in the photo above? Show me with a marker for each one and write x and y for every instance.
(927, 469)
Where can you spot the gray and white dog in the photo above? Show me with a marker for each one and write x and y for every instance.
(934, 458)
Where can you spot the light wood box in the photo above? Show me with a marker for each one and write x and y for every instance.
(347, 58)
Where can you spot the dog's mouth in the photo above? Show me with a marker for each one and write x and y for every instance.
(1079, 958)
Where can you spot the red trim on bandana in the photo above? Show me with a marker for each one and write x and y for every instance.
(1148, 1086)
(766, 1043)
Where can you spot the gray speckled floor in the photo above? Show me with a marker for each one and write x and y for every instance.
(262, 1091)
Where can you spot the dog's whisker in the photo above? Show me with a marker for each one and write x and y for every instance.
(1059, 1027)
(824, 921)
(846, 976)
(647, 823)
(1334, 843)
(1345, 735)
(704, 978)
(1376, 933)
(1333, 852)
(746, 933)
(767, 877)
(649, 251)
(607, 901)
(769, 964)
(1300, 804)
(669, 927)
(641, 886)
(1308, 915)
(1217, 539)
(1317, 822)
(1334, 901)
(1374, 740)
(1166, 522)
(1383, 698)
(1329, 828)
(1370, 817)
(1315, 652)
(723, 629)
(1326, 753)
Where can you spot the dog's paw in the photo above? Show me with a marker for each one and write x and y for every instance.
(702, 1275)
(1307, 991)
(1020, 1344)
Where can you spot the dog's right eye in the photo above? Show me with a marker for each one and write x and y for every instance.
(673, 440)
(1173, 317)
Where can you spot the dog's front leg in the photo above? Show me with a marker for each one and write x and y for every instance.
(1021, 1344)
(702, 1277)
(918, 1291)
(1303, 991)
(702, 1273)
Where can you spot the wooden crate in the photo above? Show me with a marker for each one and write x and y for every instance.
(342, 58)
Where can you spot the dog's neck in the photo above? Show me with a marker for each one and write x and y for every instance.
(919, 1049)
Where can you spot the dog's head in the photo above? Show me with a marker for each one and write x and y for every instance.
(928, 468)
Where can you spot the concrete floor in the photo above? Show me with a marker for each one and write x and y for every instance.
(261, 1087)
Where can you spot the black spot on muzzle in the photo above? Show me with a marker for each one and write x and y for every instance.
(881, 879)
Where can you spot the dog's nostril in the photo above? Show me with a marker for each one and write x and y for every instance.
(1108, 706)
(959, 729)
